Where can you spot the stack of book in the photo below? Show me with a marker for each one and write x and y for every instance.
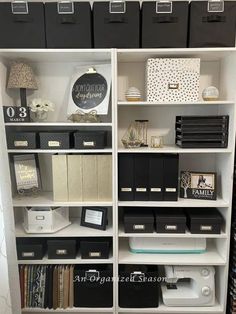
(47, 286)
(202, 131)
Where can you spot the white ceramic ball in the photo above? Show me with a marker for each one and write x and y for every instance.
(210, 93)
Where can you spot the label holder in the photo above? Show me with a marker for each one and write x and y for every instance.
(215, 6)
(19, 7)
(117, 7)
(65, 7)
(164, 6)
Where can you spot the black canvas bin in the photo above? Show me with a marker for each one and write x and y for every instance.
(116, 30)
(21, 140)
(93, 286)
(138, 286)
(212, 29)
(22, 30)
(55, 140)
(138, 220)
(170, 220)
(94, 248)
(165, 30)
(61, 249)
(68, 30)
(30, 249)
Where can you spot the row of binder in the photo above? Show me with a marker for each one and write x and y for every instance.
(148, 177)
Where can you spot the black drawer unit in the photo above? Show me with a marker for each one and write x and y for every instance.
(21, 140)
(94, 249)
(68, 25)
(138, 286)
(165, 30)
(30, 249)
(93, 286)
(90, 139)
(138, 220)
(209, 26)
(54, 140)
(22, 25)
(116, 30)
(170, 220)
(61, 249)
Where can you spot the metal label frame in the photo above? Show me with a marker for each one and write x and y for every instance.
(159, 3)
(117, 3)
(68, 7)
(212, 3)
(19, 7)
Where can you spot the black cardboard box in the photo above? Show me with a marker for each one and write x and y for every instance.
(61, 249)
(21, 140)
(68, 30)
(170, 220)
(204, 220)
(165, 30)
(30, 249)
(26, 30)
(55, 140)
(90, 139)
(138, 286)
(138, 220)
(94, 249)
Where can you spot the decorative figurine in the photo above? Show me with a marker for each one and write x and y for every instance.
(210, 93)
(133, 94)
(39, 109)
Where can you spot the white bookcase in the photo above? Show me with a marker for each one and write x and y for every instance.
(54, 69)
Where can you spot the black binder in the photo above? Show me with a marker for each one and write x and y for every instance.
(126, 177)
(156, 164)
(141, 177)
(171, 169)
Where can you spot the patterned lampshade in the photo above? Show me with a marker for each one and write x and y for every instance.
(21, 76)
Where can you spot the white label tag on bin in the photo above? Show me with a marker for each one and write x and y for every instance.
(117, 6)
(215, 6)
(164, 6)
(65, 7)
(19, 7)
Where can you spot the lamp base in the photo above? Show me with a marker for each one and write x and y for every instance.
(23, 99)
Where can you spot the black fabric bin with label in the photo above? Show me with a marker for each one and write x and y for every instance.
(30, 249)
(116, 30)
(61, 249)
(90, 139)
(138, 286)
(22, 30)
(165, 30)
(212, 29)
(138, 220)
(93, 286)
(54, 140)
(94, 248)
(21, 140)
(170, 220)
(68, 30)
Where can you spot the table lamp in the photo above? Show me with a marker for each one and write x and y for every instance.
(22, 76)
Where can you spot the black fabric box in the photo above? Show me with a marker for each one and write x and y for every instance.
(141, 177)
(22, 30)
(90, 139)
(30, 249)
(136, 287)
(156, 177)
(138, 220)
(116, 30)
(126, 177)
(93, 286)
(54, 140)
(208, 221)
(94, 249)
(165, 30)
(171, 172)
(170, 220)
(69, 30)
(21, 140)
(61, 249)
(212, 29)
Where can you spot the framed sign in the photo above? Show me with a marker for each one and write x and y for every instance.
(198, 185)
(94, 217)
(90, 90)
(16, 114)
(26, 171)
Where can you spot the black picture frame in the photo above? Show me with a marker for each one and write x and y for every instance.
(100, 213)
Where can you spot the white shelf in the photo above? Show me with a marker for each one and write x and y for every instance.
(45, 199)
(73, 230)
(182, 202)
(172, 104)
(58, 124)
(69, 310)
(211, 257)
(174, 149)
(61, 151)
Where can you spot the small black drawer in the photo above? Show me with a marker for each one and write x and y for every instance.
(21, 140)
(30, 249)
(90, 139)
(138, 286)
(54, 140)
(170, 220)
(138, 220)
(208, 221)
(61, 249)
(93, 286)
(94, 249)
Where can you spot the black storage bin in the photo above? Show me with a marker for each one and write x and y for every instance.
(54, 140)
(138, 220)
(93, 286)
(170, 220)
(68, 30)
(212, 29)
(136, 288)
(90, 139)
(171, 172)
(30, 249)
(22, 30)
(21, 140)
(61, 249)
(116, 30)
(126, 177)
(95, 249)
(208, 221)
(165, 30)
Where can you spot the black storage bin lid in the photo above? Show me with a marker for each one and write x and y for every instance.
(61, 242)
(168, 214)
(146, 269)
(90, 133)
(45, 133)
(207, 215)
(142, 215)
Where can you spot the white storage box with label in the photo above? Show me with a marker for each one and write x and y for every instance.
(172, 79)
(45, 219)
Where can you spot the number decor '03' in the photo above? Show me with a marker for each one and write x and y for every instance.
(16, 114)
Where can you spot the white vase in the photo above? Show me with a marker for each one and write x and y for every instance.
(39, 116)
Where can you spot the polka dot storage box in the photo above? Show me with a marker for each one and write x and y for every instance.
(172, 79)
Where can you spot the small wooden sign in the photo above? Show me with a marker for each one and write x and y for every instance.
(16, 114)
